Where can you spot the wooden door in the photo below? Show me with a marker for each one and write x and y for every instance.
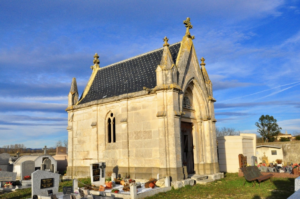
(187, 146)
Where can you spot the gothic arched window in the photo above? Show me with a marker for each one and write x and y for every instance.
(186, 102)
(111, 128)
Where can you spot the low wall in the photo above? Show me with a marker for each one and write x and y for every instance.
(290, 150)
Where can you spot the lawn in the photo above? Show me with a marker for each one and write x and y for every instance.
(232, 187)
(229, 187)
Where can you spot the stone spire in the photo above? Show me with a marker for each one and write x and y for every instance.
(166, 72)
(96, 62)
(204, 72)
(73, 94)
(188, 26)
(166, 59)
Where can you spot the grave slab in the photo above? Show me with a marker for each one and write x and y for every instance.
(7, 176)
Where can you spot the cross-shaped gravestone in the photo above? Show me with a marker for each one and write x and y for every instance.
(45, 150)
(102, 167)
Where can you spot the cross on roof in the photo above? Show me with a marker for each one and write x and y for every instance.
(202, 61)
(187, 23)
(188, 26)
(166, 41)
(96, 59)
(45, 150)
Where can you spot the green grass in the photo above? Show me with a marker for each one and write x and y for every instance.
(232, 187)
(229, 187)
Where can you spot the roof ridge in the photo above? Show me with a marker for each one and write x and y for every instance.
(135, 57)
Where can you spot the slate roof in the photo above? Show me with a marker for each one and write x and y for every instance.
(127, 76)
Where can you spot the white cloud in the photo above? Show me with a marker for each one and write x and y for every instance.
(290, 125)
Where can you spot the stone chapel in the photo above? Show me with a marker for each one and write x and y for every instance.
(147, 115)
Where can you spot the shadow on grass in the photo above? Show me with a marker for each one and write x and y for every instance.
(284, 187)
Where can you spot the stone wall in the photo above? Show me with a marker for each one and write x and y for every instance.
(290, 150)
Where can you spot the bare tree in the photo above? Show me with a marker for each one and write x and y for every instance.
(59, 143)
(226, 132)
(66, 143)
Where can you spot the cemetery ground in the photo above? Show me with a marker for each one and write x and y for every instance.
(229, 187)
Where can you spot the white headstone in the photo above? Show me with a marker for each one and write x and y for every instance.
(157, 176)
(97, 172)
(253, 160)
(44, 182)
(133, 191)
(167, 182)
(113, 176)
(297, 184)
(75, 184)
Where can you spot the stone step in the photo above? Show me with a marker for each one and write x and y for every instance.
(199, 177)
(203, 182)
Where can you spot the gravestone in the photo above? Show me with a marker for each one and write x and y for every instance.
(242, 160)
(27, 167)
(113, 176)
(297, 184)
(7, 176)
(44, 182)
(75, 184)
(47, 164)
(68, 190)
(4, 162)
(253, 160)
(61, 150)
(97, 172)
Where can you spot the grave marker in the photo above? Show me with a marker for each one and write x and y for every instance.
(242, 160)
(253, 160)
(297, 184)
(97, 172)
(7, 176)
(68, 190)
(4, 162)
(61, 150)
(44, 183)
(47, 164)
(27, 167)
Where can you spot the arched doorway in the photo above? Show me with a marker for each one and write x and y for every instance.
(187, 147)
(187, 144)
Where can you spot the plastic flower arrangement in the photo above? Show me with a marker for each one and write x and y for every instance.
(7, 184)
(27, 177)
(295, 165)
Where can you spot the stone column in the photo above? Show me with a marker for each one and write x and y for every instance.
(202, 144)
(70, 129)
(208, 147)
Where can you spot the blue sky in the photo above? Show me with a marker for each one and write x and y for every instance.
(252, 52)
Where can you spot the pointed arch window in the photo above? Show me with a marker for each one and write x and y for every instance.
(186, 102)
(111, 128)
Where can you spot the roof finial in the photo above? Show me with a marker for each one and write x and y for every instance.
(188, 26)
(202, 61)
(95, 61)
(166, 41)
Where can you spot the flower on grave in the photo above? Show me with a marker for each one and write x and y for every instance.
(27, 177)
(295, 165)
